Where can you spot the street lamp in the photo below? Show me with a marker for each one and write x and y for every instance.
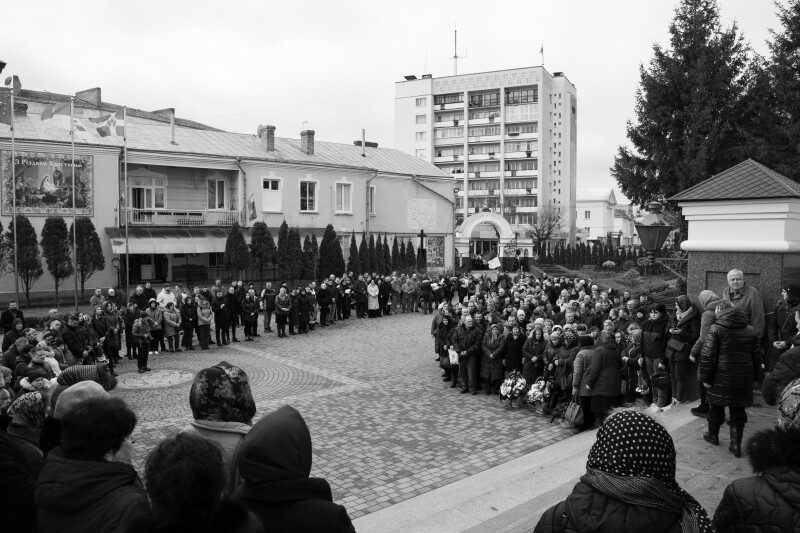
(653, 230)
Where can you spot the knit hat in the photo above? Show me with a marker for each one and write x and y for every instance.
(789, 406)
(793, 290)
(36, 373)
(660, 307)
(5, 371)
(222, 393)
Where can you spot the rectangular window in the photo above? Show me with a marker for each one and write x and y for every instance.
(479, 131)
(372, 200)
(422, 102)
(422, 119)
(343, 198)
(522, 96)
(308, 196)
(216, 194)
(271, 199)
(587, 215)
(449, 151)
(530, 128)
(455, 98)
(519, 113)
(447, 133)
(147, 193)
(449, 117)
(420, 135)
(421, 153)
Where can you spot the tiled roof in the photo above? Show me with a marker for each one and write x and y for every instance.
(746, 180)
(595, 195)
(150, 137)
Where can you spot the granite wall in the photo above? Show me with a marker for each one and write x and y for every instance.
(709, 270)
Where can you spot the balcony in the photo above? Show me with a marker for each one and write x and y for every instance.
(183, 217)
(448, 141)
(484, 139)
(524, 173)
(519, 136)
(522, 155)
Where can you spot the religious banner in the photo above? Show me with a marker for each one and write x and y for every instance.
(43, 184)
(435, 251)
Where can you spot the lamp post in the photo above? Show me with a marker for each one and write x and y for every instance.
(653, 230)
(115, 264)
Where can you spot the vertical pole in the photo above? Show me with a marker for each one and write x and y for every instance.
(74, 207)
(125, 195)
(14, 195)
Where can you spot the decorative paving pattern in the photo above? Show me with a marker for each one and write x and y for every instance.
(153, 380)
(384, 427)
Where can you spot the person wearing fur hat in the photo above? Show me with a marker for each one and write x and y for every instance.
(729, 364)
(781, 325)
(769, 500)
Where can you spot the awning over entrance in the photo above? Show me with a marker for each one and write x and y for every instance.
(168, 240)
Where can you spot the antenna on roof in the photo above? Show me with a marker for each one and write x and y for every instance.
(456, 57)
(303, 125)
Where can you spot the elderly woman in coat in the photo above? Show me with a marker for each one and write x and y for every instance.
(582, 366)
(172, 325)
(372, 299)
(684, 331)
(604, 379)
(494, 347)
(729, 364)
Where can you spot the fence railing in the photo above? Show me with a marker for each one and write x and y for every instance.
(182, 217)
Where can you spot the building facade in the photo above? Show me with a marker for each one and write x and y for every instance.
(601, 218)
(168, 201)
(508, 138)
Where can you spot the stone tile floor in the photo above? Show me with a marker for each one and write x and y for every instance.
(384, 427)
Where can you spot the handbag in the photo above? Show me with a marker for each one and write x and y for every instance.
(453, 355)
(566, 381)
(660, 380)
(625, 387)
(675, 345)
(574, 413)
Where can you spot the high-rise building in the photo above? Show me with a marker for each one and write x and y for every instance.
(508, 137)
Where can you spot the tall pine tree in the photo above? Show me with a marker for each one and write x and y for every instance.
(373, 256)
(331, 259)
(283, 251)
(308, 259)
(57, 251)
(381, 266)
(353, 260)
(262, 247)
(90, 258)
(411, 258)
(315, 257)
(29, 260)
(294, 265)
(397, 262)
(235, 258)
(363, 254)
(688, 107)
(387, 257)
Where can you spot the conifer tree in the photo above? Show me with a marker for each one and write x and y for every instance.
(363, 254)
(387, 257)
(353, 260)
(411, 258)
(308, 259)
(262, 247)
(89, 257)
(373, 255)
(294, 264)
(57, 251)
(381, 267)
(29, 260)
(235, 258)
(283, 251)
(397, 262)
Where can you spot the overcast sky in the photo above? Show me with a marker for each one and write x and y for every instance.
(235, 64)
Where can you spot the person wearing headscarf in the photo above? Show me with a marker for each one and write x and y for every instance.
(283, 306)
(769, 500)
(274, 461)
(222, 406)
(532, 355)
(708, 303)
(581, 368)
(629, 485)
(494, 349)
(27, 418)
(17, 330)
(604, 379)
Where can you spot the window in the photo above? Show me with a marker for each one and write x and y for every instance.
(522, 146)
(447, 133)
(271, 199)
(422, 102)
(455, 98)
(522, 96)
(420, 135)
(530, 128)
(343, 198)
(449, 117)
(372, 200)
(587, 215)
(148, 193)
(484, 100)
(519, 113)
(421, 153)
(422, 119)
(484, 149)
(449, 151)
(216, 193)
(216, 259)
(522, 165)
(308, 196)
(478, 131)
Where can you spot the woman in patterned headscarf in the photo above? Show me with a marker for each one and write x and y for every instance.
(629, 485)
(223, 407)
(27, 418)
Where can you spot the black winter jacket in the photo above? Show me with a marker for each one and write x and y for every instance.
(730, 359)
(786, 370)
(466, 340)
(770, 500)
(655, 334)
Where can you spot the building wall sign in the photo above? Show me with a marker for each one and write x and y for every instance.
(43, 184)
(435, 251)
(421, 214)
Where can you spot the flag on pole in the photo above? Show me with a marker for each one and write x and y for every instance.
(55, 109)
(109, 125)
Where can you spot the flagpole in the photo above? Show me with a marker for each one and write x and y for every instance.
(125, 195)
(74, 208)
(14, 195)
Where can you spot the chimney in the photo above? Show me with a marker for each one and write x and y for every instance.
(267, 136)
(307, 142)
(91, 96)
(169, 113)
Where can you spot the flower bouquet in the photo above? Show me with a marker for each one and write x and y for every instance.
(512, 387)
(643, 387)
(539, 395)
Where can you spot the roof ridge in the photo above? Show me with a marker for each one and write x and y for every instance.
(777, 177)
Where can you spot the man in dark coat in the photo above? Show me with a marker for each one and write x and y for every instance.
(268, 297)
(75, 338)
(274, 460)
(222, 316)
(8, 316)
(139, 298)
(324, 301)
(730, 361)
(385, 295)
(149, 292)
(360, 290)
(234, 310)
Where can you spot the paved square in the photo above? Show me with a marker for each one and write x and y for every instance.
(384, 426)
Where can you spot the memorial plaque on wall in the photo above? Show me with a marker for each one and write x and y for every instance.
(435, 251)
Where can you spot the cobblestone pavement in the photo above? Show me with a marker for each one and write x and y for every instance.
(384, 427)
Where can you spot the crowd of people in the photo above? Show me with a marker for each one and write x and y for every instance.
(66, 464)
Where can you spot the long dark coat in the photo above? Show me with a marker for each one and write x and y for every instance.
(514, 352)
